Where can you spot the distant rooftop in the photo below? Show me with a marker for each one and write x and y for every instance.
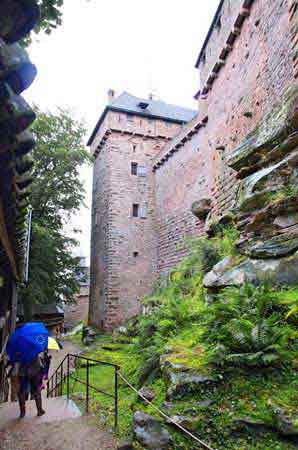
(155, 109)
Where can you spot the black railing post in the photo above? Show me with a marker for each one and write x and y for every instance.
(87, 386)
(56, 384)
(67, 380)
(116, 399)
(61, 380)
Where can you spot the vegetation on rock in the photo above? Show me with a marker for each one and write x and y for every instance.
(226, 367)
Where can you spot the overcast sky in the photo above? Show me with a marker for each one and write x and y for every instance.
(139, 46)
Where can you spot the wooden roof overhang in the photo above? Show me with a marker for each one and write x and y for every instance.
(17, 18)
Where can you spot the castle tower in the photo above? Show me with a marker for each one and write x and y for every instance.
(127, 138)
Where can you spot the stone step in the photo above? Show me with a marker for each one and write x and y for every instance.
(57, 409)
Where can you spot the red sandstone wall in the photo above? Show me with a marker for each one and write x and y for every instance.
(118, 278)
(100, 244)
(256, 71)
(77, 312)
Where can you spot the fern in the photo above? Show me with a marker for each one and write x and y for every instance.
(244, 323)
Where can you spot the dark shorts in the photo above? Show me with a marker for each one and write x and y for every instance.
(30, 385)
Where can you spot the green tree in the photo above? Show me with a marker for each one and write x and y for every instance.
(57, 193)
(50, 17)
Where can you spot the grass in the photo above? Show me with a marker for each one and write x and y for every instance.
(178, 320)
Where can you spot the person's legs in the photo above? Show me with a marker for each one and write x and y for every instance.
(35, 390)
(23, 389)
(22, 404)
(38, 401)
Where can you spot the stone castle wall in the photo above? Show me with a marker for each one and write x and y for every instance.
(124, 248)
(256, 72)
(249, 62)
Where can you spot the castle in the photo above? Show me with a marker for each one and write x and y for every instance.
(161, 171)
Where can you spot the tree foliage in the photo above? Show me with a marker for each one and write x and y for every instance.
(50, 17)
(57, 193)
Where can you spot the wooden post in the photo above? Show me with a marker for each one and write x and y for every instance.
(14, 306)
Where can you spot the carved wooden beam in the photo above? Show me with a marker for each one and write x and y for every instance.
(4, 239)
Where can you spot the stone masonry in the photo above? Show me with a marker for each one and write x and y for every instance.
(247, 64)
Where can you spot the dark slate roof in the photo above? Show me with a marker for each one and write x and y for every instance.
(156, 109)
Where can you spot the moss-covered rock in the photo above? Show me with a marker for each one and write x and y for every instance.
(276, 272)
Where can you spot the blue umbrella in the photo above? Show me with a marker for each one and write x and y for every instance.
(27, 342)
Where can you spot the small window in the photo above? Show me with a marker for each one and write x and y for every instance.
(135, 254)
(134, 168)
(142, 171)
(135, 210)
(143, 212)
(134, 147)
(130, 118)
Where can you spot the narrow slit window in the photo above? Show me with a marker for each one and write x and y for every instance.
(135, 210)
(134, 168)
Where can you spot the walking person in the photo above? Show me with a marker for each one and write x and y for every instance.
(23, 349)
(31, 375)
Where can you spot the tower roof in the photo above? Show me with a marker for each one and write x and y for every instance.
(155, 109)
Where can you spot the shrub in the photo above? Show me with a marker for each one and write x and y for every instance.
(244, 327)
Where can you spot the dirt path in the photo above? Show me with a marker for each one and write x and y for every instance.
(57, 357)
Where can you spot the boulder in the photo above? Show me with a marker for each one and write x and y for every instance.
(190, 423)
(125, 445)
(188, 384)
(285, 423)
(147, 393)
(150, 432)
(167, 405)
(241, 423)
(201, 208)
(231, 272)
(183, 380)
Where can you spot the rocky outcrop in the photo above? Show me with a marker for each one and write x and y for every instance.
(231, 272)
(201, 208)
(266, 208)
(150, 433)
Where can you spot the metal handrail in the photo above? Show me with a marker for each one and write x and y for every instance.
(61, 375)
(57, 389)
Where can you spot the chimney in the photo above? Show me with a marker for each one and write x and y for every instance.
(111, 95)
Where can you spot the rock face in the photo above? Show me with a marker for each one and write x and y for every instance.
(266, 208)
(201, 208)
(231, 272)
(150, 433)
